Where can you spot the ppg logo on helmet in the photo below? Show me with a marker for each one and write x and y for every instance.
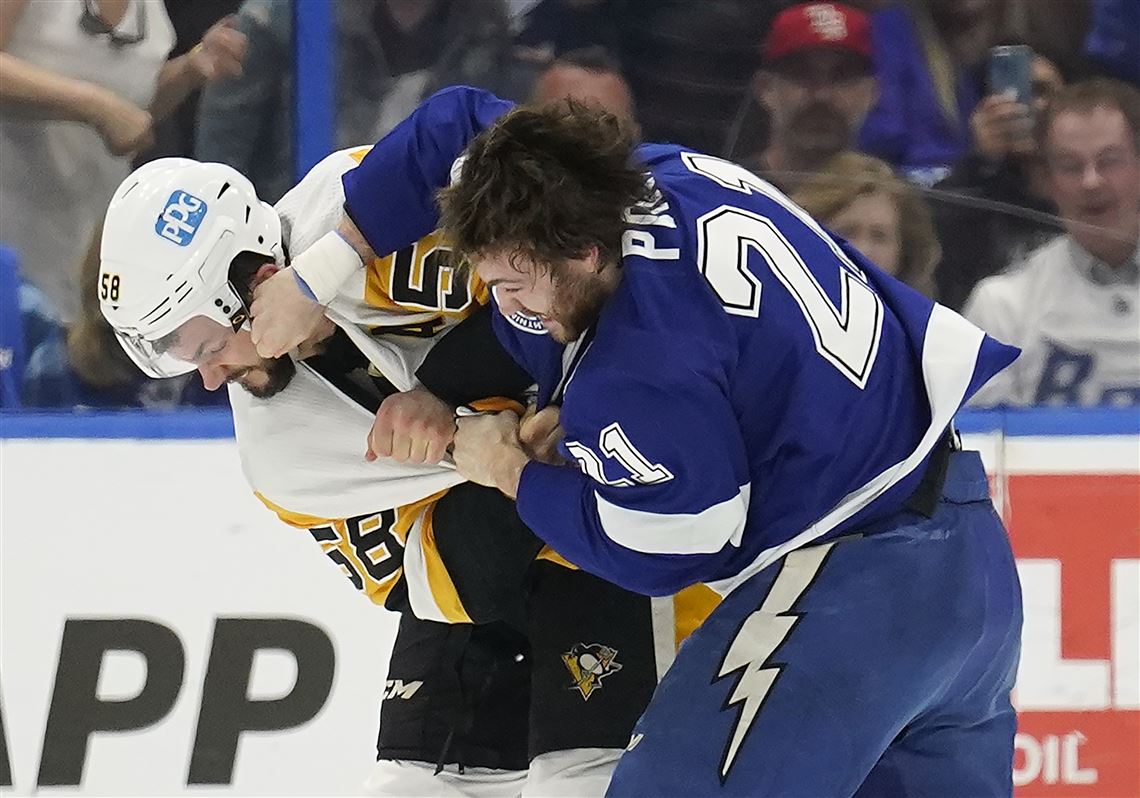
(180, 218)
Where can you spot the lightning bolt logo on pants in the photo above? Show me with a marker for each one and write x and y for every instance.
(760, 635)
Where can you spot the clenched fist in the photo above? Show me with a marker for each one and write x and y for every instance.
(282, 316)
(412, 427)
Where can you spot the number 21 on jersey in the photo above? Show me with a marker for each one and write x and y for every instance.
(616, 445)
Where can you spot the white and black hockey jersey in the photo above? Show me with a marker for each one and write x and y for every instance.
(302, 450)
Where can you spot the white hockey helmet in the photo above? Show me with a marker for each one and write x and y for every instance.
(171, 231)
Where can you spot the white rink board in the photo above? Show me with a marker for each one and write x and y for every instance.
(168, 531)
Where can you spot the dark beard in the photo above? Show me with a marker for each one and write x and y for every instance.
(578, 302)
(279, 372)
(819, 130)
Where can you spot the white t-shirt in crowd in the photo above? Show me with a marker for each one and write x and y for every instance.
(57, 177)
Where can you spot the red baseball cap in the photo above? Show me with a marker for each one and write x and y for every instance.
(809, 26)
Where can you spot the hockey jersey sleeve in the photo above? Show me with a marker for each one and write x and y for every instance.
(390, 196)
(661, 494)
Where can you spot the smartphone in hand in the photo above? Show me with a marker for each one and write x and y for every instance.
(1011, 72)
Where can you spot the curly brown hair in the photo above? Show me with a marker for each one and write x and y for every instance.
(547, 184)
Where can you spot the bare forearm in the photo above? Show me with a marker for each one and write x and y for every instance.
(29, 90)
(177, 80)
(355, 239)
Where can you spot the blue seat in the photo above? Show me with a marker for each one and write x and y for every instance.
(12, 351)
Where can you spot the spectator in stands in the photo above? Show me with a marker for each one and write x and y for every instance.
(689, 64)
(817, 84)
(979, 205)
(1061, 32)
(83, 365)
(390, 55)
(861, 199)
(930, 83)
(1113, 42)
(12, 355)
(552, 28)
(588, 76)
(81, 84)
(1074, 305)
(174, 136)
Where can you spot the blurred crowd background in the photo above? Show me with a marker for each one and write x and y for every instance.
(987, 152)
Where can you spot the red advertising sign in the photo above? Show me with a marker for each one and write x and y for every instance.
(1077, 540)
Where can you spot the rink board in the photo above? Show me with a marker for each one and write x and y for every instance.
(137, 531)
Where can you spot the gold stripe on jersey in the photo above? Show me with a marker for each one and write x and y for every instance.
(376, 282)
(497, 404)
(423, 571)
(298, 520)
(426, 574)
(690, 608)
(550, 555)
(359, 153)
(335, 539)
(408, 514)
(442, 588)
(420, 279)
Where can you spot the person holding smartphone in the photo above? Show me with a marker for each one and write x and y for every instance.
(1020, 82)
(1004, 167)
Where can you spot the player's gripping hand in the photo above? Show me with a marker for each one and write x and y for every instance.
(283, 316)
(412, 427)
(488, 452)
(540, 433)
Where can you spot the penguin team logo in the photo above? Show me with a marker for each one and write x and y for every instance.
(588, 665)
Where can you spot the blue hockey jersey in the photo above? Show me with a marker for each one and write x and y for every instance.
(753, 385)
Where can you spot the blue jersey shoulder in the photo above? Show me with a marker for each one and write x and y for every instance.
(390, 196)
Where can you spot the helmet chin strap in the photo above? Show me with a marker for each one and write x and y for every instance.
(239, 318)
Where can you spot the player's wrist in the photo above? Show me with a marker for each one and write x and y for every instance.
(348, 230)
(305, 289)
(511, 466)
(325, 266)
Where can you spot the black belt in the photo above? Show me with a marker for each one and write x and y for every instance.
(925, 498)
